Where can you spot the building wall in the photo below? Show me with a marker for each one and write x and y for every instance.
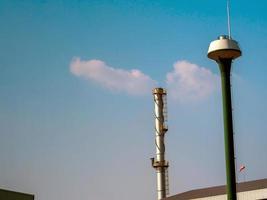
(248, 195)
(254, 194)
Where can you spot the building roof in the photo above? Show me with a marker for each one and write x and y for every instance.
(219, 190)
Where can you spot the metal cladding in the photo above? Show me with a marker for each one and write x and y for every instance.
(159, 162)
(223, 51)
(224, 48)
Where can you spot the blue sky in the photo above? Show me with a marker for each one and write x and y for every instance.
(80, 130)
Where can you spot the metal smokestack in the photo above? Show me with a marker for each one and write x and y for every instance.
(224, 50)
(159, 162)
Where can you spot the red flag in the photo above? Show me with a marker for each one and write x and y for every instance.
(242, 167)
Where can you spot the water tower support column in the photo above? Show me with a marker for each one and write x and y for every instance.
(225, 69)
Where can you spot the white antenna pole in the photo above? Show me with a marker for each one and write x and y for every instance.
(228, 19)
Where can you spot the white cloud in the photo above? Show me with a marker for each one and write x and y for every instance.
(133, 82)
(189, 82)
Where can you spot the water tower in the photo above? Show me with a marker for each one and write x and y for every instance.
(224, 50)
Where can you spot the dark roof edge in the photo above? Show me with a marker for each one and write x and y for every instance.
(11, 191)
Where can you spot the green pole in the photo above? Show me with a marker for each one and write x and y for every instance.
(225, 69)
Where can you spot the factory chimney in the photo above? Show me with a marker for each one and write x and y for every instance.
(159, 163)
